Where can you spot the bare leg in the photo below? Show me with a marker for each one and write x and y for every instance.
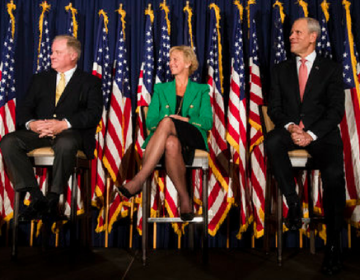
(153, 153)
(176, 170)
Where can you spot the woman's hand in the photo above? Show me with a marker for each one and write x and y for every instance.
(179, 118)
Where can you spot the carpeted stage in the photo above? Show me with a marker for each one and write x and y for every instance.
(112, 263)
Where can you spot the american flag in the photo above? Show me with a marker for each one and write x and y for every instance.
(163, 71)
(257, 156)
(144, 92)
(189, 40)
(220, 195)
(43, 64)
(71, 22)
(118, 141)
(237, 120)
(323, 46)
(165, 189)
(101, 69)
(7, 112)
(44, 49)
(189, 37)
(278, 52)
(303, 8)
(350, 125)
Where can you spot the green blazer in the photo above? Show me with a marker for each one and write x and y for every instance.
(196, 106)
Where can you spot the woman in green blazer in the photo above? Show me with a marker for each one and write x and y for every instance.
(178, 119)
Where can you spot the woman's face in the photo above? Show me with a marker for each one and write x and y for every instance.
(177, 63)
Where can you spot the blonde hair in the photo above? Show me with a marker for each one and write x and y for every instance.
(71, 42)
(189, 56)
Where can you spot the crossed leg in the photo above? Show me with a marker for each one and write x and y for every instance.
(164, 142)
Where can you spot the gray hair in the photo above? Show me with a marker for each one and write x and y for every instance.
(313, 26)
(71, 42)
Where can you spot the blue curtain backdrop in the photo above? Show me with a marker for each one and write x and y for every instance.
(27, 32)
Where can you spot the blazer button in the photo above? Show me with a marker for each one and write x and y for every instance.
(167, 106)
(191, 106)
(54, 115)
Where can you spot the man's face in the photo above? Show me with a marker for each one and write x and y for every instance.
(302, 41)
(62, 57)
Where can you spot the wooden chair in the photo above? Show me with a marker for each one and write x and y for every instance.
(201, 161)
(44, 157)
(300, 160)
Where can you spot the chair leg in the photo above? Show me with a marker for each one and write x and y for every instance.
(311, 213)
(73, 212)
(267, 213)
(15, 228)
(205, 216)
(87, 208)
(145, 215)
(279, 226)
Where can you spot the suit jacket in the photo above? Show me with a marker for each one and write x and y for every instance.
(81, 104)
(196, 106)
(322, 108)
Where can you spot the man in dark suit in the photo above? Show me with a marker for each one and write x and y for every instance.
(61, 109)
(306, 104)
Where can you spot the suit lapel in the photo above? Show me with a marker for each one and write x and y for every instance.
(170, 95)
(293, 79)
(313, 76)
(52, 87)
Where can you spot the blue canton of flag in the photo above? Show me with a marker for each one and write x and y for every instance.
(45, 48)
(102, 59)
(278, 53)
(239, 58)
(122, 68)
(163, 70)
(70, 24)
(323, 46)
(189, 39)
(348, 74)
(148, 74)
(213, 58)
(7, 82)
(254, 49)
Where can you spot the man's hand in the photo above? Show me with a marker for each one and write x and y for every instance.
(299, 136)
(48, 128)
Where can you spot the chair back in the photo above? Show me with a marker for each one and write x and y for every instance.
(269, 125)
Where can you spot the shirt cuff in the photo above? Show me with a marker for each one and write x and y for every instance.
(68, 124)
(27, 124)
(314, 137)
(287, 125)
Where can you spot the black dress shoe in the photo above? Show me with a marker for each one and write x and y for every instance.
(332, 261)
(293, 219)
(34, 211)
(187, 217)
(125, 192)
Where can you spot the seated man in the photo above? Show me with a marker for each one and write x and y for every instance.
(62, 109)
(306, 104)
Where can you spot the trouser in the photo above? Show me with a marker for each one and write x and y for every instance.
(327, 157)
(15, 146)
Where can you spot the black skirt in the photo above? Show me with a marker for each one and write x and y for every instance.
(190, 139)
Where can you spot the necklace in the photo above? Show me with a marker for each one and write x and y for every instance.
(180, 105)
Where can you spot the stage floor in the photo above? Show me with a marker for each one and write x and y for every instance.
(112, 263)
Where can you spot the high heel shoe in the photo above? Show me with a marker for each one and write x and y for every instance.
(125, 192)
(187, 217)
